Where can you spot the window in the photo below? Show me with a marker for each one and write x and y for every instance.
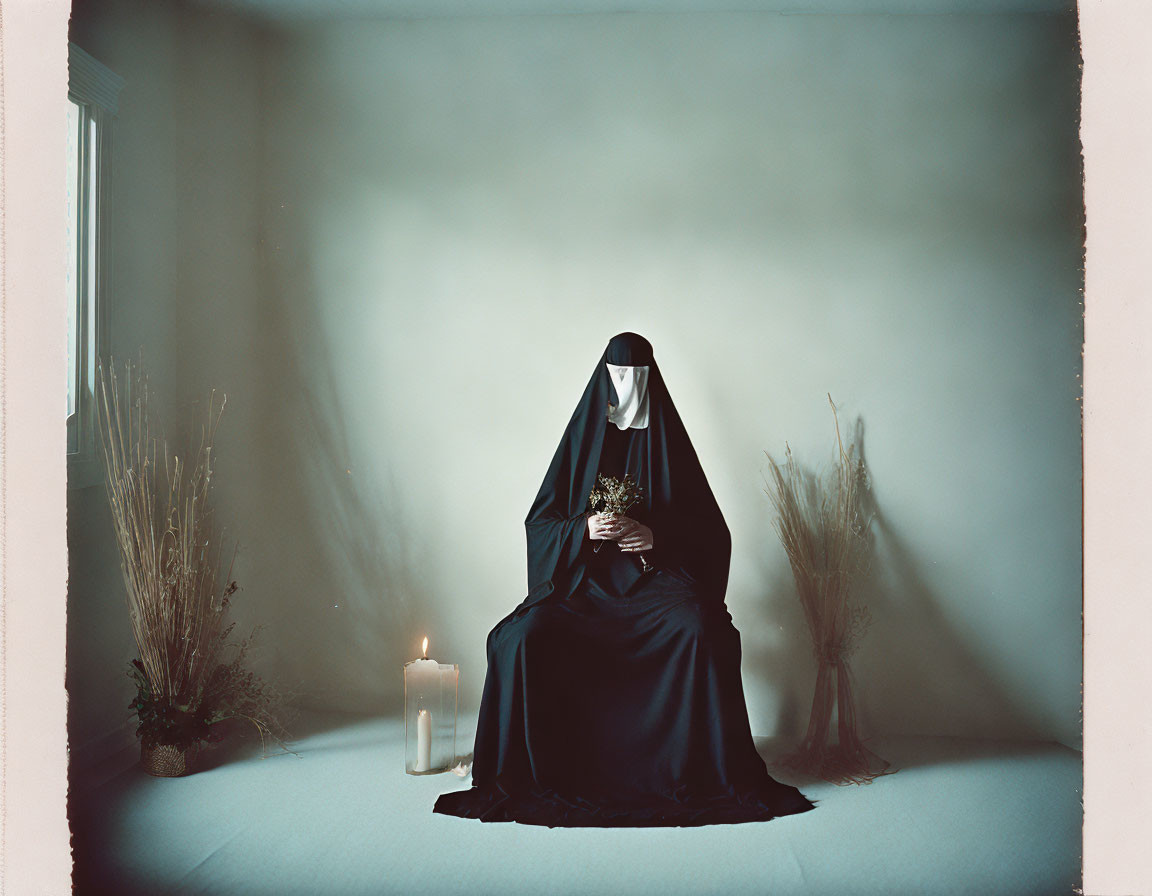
(92, 93)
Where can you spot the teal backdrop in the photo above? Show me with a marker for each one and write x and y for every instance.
(399, 243)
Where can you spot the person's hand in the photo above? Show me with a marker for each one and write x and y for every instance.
(604, 527)
(634, 537)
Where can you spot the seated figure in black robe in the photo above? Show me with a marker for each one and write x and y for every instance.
(613, 695)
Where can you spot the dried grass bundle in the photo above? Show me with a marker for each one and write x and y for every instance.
(826, 533)
(190, 677)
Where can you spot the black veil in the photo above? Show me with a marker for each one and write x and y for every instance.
(613, 696)
(690, 536)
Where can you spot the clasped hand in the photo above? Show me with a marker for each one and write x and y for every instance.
(629, 534)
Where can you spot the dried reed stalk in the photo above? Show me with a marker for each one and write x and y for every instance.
(171, 557)
(825, 531)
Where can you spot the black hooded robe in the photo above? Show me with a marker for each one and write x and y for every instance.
(613, 697)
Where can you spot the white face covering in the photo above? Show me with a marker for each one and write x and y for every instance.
(631, 383)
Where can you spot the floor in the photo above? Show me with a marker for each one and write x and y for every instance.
(960, 817)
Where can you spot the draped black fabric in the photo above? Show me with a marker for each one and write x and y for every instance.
(613, 696)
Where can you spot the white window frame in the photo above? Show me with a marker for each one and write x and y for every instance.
(95, 88)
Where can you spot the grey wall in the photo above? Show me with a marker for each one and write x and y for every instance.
(411, 239)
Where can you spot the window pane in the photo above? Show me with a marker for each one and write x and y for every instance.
(91, 215)
(72, 295)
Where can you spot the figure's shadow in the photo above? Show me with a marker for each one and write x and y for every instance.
(341, 603)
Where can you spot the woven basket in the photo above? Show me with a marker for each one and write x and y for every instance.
(165, 761)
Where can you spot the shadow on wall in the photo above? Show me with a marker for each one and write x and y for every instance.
(344, 570)
(925, 663)
(913, 669)
(788, 663)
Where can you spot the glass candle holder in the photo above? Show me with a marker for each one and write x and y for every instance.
(431, 698)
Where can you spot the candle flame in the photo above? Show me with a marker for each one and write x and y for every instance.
(425, 648)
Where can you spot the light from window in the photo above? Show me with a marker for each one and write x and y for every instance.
(82, 266)
(91, 108)
(72, 198)
(82, 271)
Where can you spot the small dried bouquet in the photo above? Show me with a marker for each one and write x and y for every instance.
(613, 497)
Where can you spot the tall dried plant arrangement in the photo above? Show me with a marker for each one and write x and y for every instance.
(190, 676)
(826, 533)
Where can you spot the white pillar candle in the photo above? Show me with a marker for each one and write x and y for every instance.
(423, 741)
(424, 677)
